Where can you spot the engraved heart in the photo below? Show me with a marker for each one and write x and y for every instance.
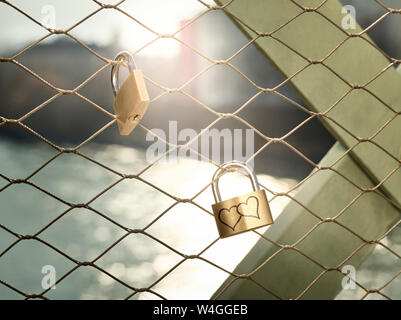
(229, 217)
(250, 208)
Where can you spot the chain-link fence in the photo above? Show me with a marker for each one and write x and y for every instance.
(119, 174)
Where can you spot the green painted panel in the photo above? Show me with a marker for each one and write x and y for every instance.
(357, 62)
(288, 273)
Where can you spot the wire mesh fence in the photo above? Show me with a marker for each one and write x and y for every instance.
(191, 202)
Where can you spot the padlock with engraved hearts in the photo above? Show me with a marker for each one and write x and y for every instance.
(132, 99)
(242, 213)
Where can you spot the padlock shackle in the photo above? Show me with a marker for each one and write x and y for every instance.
(122, 56)
(226, 168)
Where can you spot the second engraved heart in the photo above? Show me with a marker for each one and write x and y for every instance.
(250, 208)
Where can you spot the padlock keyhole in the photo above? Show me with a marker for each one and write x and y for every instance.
(135, 117)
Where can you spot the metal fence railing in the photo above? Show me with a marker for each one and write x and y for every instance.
(9, 181)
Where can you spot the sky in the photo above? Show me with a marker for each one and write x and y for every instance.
(17, 31)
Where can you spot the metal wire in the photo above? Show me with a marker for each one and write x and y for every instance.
(234, 115)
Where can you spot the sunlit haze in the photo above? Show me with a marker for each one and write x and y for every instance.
(104, 28)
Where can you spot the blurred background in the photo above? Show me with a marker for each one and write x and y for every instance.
(68, 120)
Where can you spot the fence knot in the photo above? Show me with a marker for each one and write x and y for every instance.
(226, 115)
(191, 256)
(26, 237)
(68, 150)
(373, 291)
(66, 91)
(16, 181)
(331, 268)
(134, 230)
(10, 120)
(130, 176)
(211, 7)
(79, 205)
(353, 35)
(34, 296)
(108, 6)
(56, 31)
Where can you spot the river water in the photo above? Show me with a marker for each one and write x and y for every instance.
(137, 260)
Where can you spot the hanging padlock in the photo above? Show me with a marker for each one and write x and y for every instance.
(132, 99)
(241, 213)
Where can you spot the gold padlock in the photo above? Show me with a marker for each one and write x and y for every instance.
(132, 99)
(242, 213)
